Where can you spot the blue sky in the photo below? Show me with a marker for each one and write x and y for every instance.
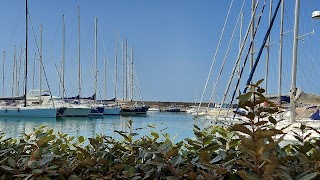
(174, 44)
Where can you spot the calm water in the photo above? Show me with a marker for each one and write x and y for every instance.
(178, 125)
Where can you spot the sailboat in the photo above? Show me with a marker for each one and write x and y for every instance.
(73, 107)
(112, 108)
(26, 110)
(138, 107)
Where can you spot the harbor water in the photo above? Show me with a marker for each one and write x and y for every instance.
(178, 125)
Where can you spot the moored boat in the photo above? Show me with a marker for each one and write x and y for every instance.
(136, 110)
(29, 111)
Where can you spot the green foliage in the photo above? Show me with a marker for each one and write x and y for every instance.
(247, 150)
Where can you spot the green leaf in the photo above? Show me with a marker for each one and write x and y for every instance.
(42, 142)
(11, 162)
(245, 97)
(7, 168)
(259, 82)
(154, 134)
(176, 160)
(205, 156)
(165, 147)
(37, 171)
(33, 164)
(93, 141)
(272, 120)
(261, 123)
(171, 153)
(74, 177)
(241, 128)
(260, 90)
(310, 176)
(196, 127)
(81, 139)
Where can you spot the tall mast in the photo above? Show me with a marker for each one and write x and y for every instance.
(132, 73)
(3, 61)
(268, 50)
(105, 77)
(96, 61)
(26, 65)
(33, 69)
(126, 69)
(122, 48)
(63, 54)
(294, 61)
(252, 35)
(280, 50)
(79, 65)
(240, 45)
(40, 65)
(18, 68)
(116, 68)
(13, 71)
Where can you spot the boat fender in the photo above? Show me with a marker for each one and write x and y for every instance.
(6, 110)
(18, 109)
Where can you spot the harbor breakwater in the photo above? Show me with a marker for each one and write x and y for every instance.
(162, 105)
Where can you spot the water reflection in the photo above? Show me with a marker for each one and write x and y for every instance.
(179, 126)
(15, 127)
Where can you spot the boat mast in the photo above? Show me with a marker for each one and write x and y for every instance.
(268, 49)
(18, 68)
(33, 69)
(63, 54)
(96, 61)
(13, 70)
(26, 65)
(240, 45)
(252, 37)
(3, 61)
(116, 68)
(40, 65)
(122, 48)
(280, 51)
(132, 73)
(126, 69)
(105, 77)
(294, 62)
(79, 65)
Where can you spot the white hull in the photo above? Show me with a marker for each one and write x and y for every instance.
(76, 111)
(154, 110)
(112, 111)
(42, 112)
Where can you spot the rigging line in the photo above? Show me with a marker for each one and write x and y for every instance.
(105, 53)
(247, 55)
(226, 55)
(240, 53)
(215, 55)
(44, 72)
(258, 56)
(55, 64)
(311, 72)
(89, 54)
(262, 47)
(15, 28)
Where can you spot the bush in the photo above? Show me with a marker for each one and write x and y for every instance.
(249, 150)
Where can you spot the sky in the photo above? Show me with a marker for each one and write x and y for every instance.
(174, 44)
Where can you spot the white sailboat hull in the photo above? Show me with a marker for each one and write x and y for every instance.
(42, 112)
(111, 111)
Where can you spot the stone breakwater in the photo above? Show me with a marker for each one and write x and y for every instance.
(162, 105)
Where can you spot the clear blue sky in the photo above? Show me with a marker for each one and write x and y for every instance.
(174, 44)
